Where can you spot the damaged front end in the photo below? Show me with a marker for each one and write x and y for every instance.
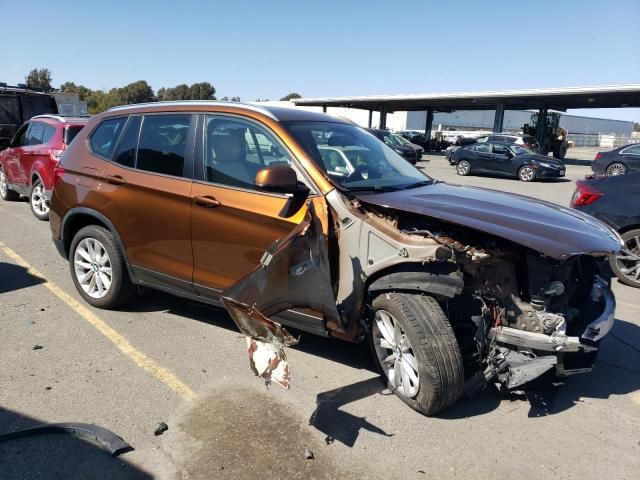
(516, 311)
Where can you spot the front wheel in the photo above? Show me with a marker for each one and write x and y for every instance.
(38, 201)
(463, 168)
(5, 192)
(527, 173)
(414, 347)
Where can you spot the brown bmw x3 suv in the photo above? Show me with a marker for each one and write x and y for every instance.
(298, 219)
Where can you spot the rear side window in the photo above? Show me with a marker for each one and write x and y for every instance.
(163, 144)
(69, 134)
(104, 137)
(126, 152)
(47, 133)
(635, 150)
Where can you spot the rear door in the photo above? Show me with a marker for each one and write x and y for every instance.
(481, 156)
(148, 184)
(631, 157)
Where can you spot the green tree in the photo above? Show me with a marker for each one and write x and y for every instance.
(290, 96)
(202, 91)
(235, 99)
(39, 78)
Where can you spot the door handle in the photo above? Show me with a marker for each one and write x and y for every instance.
(115, 180)
(206, 201)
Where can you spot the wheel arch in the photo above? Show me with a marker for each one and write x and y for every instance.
(80, 217)
(628, 228)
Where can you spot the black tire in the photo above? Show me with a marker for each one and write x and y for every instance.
(5, 192)
(121, 289)
(434, 345)
(463, 168)
(561, 152)
(631, 240)
(37, 189)
(524, 175)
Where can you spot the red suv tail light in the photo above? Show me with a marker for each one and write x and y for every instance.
(585, 194)
(58, 171)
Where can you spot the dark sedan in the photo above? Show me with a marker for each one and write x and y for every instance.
(616, 201)
(505, 159)
(618, 161)
(410, 152)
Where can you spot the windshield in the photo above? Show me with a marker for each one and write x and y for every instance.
(402, 140)
(518, 150)
(353, 159)
(391, 140)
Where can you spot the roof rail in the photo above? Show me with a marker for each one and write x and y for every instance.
(60, 118)
(248, 106)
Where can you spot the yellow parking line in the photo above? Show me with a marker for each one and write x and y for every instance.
(160, 373)
(627, 304)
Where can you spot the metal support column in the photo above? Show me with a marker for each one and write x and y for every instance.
(324, 109)
(498, 120)
(383, 116)
(428, 124)
(370, 117)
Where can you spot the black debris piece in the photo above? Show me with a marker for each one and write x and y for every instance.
(160, 429)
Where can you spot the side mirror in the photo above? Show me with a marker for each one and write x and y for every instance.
(277, 178)
(283, 179)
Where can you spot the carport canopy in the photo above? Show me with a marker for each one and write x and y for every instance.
(607, 96)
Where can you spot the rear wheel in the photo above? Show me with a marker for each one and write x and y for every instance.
(98, 269)
(5, 192)
(414, 347)
(626, 264)
(463, 168)
(38, 201)
(616, 168)
(527, 173)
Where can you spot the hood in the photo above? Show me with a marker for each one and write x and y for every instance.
(555, 231)
(403, 148)
(546, 159)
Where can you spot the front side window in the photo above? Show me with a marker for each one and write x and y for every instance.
(501, 149)
(353, 159)
(162, 147)
(236, 149)
(21, 136)
(104, 137)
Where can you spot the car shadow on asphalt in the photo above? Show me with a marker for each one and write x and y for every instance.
(15, 277)
(339, 425)
(47, 456)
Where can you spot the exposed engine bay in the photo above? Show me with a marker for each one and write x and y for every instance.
(516, 312)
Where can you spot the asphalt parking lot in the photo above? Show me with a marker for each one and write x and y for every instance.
(165, 359)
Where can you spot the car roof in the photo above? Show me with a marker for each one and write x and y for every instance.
(282, 114)
(70, 119)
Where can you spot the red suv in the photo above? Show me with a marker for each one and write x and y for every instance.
(26, 167)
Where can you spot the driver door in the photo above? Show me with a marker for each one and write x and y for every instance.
(232, 222)
(14, 154)
(502, 159)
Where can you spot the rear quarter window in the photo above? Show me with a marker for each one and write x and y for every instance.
(104, 138)
(70, 133)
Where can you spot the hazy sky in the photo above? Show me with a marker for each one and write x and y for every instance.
(326, 47)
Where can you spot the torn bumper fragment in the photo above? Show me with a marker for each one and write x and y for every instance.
(293, 273)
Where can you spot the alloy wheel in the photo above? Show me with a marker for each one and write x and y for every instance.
(39, 200)
(92, 267)
(628, 260)
(395, 354)
(527, 173)
(616, 169)
(463, 168)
